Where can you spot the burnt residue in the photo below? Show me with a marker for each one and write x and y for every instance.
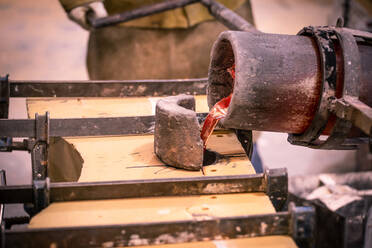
(220, 82)
(211, 157)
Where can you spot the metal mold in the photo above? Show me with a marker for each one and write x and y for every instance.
(177, 139)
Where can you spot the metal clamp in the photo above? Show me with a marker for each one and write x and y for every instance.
(328, 88)
(324, 37)
(39, 157)
(4, 96)
(41, 190)
(302, 224)
(276, 181)
(4, 108)
(39, 147)
(352, 71)
(2, 222)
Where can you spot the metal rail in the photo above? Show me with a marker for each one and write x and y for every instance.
(272, 182)
(109, 88)
(150, 233)
(298, 222)
(83, 126)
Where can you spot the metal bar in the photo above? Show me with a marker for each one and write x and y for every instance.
(276, 181)
(140, 12)
(152, 233)
(84, 126)
(351, 109)
(110, 88)
(359, 113)
(2, 208)
(15, 220)
(73, 191)
(16, 194)
(228, 17)
(4, 97)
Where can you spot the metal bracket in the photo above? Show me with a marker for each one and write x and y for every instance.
(277, 187)
(352, 69)
(355, 111)
(39, 158)
(4, 108)
(2, 222)
(41, 194)
(302, 224)
(39, 147)
(4, 96)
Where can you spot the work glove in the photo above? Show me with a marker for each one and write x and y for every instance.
(82, 14)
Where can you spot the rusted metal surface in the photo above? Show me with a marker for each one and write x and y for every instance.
(341, 70)
(277, 82)
(280, 79)
(177, 140)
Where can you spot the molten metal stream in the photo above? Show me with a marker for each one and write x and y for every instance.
(218, 111)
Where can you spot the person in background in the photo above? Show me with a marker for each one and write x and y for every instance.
(171, 44)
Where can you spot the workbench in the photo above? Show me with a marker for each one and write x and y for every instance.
(132, 157)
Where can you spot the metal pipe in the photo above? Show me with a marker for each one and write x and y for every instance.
(139, 12)
(224, 15)
(278, 80)
(228, 17)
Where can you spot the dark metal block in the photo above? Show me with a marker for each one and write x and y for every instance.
(302, 225)
(4, 96)
(277, 187)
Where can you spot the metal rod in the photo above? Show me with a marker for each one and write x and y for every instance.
(140, 12)
(151, 233)
(73, 191)
(109, 88)
(228, 17)
(350, 108)
(83, 126)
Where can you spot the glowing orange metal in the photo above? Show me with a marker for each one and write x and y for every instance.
(218, 111)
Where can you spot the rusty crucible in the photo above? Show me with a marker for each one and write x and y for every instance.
(177, 139)
(278, 79)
